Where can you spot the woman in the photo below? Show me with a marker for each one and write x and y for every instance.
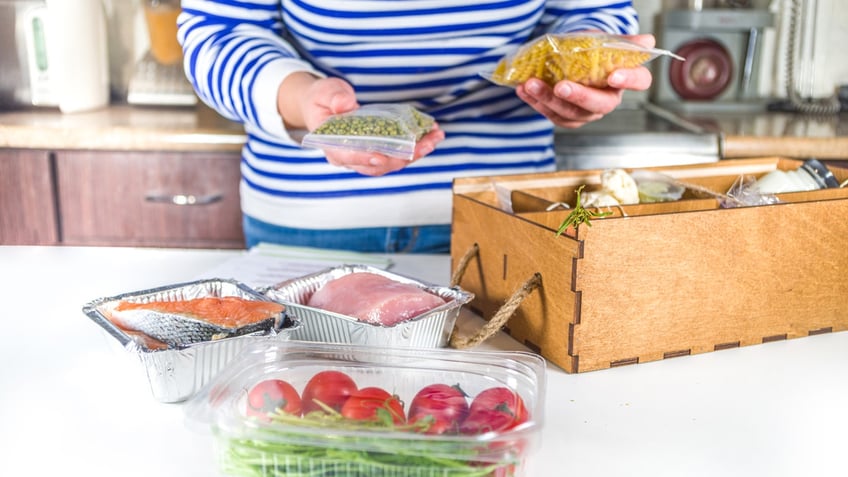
(282, 67)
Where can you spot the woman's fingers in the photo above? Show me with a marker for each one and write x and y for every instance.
(324, 98)
(645, 39)
(374, 164)
(570, 111)
(427, 144)
(572, 105)
(636, 79)
(596, 101)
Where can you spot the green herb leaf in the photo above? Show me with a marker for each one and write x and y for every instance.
(579, 215)
(349, 449)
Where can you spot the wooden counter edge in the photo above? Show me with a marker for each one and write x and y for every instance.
(118, 138)
(735, 147)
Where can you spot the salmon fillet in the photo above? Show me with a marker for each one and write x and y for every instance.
(227, 312)
(183, 322)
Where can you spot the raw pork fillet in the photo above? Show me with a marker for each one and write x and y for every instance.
(373, 298)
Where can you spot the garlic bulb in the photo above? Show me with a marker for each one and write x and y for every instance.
(620, 185)
(599, 198)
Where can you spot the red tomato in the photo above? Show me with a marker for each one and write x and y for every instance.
(331, 388)
(504, 399)
(271, 395)
(481, 421)
(442, 406)
(373, 404)
(495, 409)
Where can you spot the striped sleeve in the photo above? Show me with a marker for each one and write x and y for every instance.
(617, 17)
(235, 57)
(236, 53)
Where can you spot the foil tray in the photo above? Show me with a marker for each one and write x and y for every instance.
(177, 373)
(428, 330)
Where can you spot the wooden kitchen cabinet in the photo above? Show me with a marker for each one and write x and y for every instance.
(28, 213)
(157, 199)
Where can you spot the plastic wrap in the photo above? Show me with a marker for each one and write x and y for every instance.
(389, 129)
(585, 58)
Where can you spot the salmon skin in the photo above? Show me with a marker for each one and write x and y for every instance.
(183, 322)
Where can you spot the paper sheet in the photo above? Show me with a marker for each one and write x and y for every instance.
(269, 264)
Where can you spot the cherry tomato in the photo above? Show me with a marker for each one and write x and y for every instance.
(486, 420)
(504, 399)
(332, 388)
(374, 404)
(495, 409)
(441, 406)
(271, 395)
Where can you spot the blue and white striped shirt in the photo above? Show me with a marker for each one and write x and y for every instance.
(427, 53)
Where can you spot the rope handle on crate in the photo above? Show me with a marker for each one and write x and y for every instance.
(503, 314)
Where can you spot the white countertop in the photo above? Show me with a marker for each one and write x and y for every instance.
(72, 403)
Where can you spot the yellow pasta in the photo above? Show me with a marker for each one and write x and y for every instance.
(586, 59)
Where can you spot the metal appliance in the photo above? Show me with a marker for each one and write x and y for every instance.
(722, 49)
(635, 135)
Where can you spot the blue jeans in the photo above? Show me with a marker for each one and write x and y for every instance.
(419, 239)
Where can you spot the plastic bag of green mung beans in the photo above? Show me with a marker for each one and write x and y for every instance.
(389, 129)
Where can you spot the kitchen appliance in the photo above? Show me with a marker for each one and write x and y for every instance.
(16, 88)
(55, 54)
(722, 51)
(810, 36)
(158, 77)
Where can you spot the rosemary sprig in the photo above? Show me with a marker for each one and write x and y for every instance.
(580, 215)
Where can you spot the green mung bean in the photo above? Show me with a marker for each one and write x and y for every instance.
(415, 123)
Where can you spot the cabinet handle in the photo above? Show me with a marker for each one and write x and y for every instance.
(184, 199)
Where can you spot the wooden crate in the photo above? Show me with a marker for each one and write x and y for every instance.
(654, 281)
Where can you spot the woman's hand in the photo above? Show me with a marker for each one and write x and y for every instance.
(305, 101)
(375, 164)
(572, 105)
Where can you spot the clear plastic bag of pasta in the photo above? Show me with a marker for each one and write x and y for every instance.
(587, 58)
(389, 129)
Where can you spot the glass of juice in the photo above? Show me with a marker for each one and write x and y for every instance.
(161, 18)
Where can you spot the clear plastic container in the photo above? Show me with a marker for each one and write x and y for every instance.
(656, 187)
(289, 444)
